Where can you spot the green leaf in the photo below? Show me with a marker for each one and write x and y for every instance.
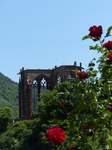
(91, 64)
(75, 71)
(108, 31)
(61, 93)
(53, 120)
(91, 69)
(86, 37)
(91, 47)
(94, 47)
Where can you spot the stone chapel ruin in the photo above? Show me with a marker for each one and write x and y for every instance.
(33, 81)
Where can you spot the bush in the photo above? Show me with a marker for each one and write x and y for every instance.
(6, 116)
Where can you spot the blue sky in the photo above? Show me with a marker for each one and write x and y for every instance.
(44, 33)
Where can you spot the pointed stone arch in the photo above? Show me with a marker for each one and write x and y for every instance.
(40, 79)
(58, 78)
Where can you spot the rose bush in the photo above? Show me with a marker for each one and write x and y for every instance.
(92, 98)
(89, 126)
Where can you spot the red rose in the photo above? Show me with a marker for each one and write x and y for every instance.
(56, 135)
(72, 148)
(62, 101)
(95, 32)
(110, 108)
(85, 126)
(67, 117)
(89, 134)
(108, 45)
(74, 89)
(82, 75)
(109, 58)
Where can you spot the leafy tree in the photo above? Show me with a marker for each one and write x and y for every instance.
(9, 94)
(50, 104)
(19, 135)
(5, 119)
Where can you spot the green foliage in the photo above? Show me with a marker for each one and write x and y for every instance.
(20, 135)
(50, 106)
(51, 110)
(83, 108)
(9, 94)
(92, 99)
(30, 134)
(5, 119)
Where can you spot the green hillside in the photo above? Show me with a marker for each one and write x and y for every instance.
(9, 94)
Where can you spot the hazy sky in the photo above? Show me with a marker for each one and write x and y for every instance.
(44, 33)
